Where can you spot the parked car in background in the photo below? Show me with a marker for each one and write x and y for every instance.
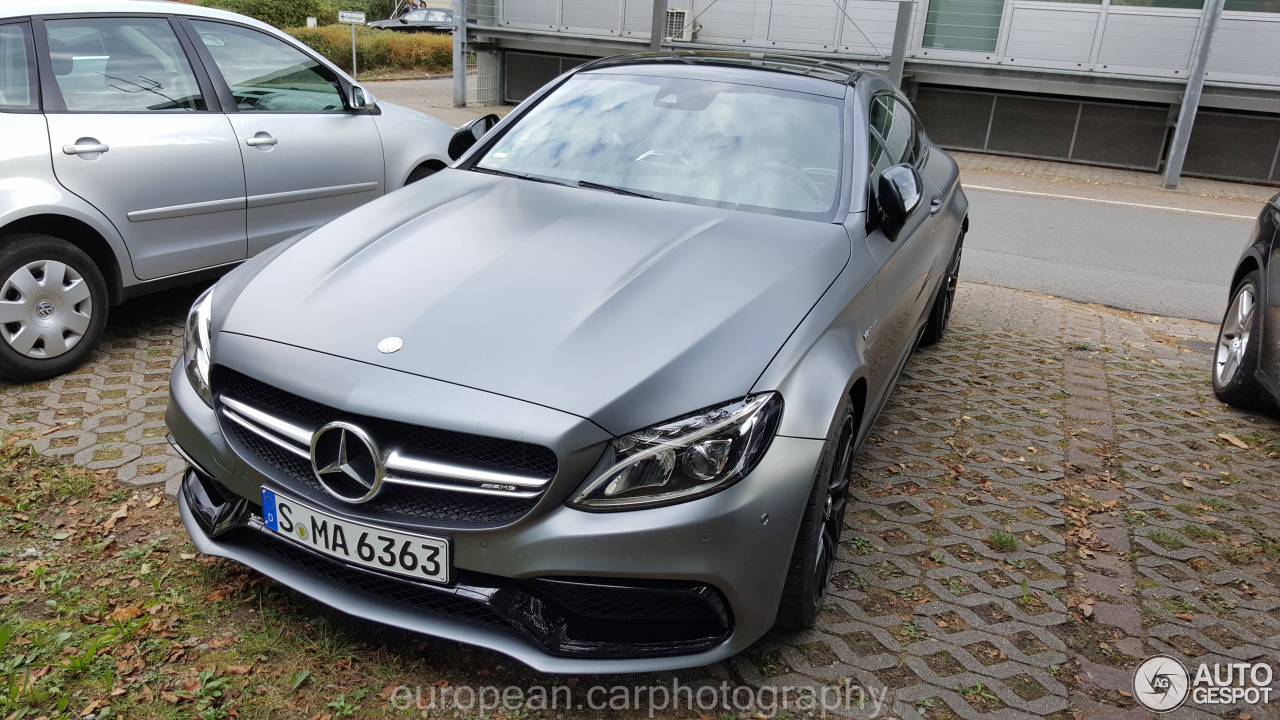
(1246, 363)
(590, 396)
(153, 144)
(426, 20)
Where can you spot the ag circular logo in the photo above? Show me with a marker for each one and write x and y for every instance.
(1161, 683)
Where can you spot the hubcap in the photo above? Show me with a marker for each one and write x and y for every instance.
(45, 309)
(833, 512)
(1233, 339)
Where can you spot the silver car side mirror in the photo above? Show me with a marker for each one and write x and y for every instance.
(899, 192)
(359, 100)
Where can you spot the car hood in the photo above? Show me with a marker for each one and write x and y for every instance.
(623, 310)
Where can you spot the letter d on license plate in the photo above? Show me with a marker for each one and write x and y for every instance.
(417, 557)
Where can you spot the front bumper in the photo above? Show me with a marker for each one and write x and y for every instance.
(726, 554)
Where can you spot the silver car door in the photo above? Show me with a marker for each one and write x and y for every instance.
(904, 253)
(131, 133)
(307, 158)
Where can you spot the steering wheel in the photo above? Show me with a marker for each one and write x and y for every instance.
(795, 175)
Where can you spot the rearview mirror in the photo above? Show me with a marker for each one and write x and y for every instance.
(359, 100)
(899, 192)
(470, 134)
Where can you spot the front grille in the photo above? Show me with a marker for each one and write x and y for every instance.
(409, 491)
(295, 472)
(494, 453)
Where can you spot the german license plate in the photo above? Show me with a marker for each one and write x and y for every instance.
(419, 557)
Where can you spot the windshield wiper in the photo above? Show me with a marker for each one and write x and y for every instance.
(620, 191)
(519, 176)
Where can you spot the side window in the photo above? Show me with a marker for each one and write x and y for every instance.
(894, 138)
(121, 65)
(267, 74)
(416, 16)
(438, 16)
(17, 69)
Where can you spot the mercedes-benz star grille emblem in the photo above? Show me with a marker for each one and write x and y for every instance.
(346, 462)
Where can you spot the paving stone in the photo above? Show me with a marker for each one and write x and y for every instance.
(962, 561)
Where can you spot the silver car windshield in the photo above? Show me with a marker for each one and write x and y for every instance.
(694, 141)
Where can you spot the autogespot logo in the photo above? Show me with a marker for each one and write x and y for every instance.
(1161, 683)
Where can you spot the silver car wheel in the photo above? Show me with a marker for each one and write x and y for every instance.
(1233, 340)
(45, 309)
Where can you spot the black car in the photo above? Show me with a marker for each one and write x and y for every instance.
(1246, 364)
(429, 20)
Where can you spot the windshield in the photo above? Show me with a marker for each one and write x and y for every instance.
(693, 141)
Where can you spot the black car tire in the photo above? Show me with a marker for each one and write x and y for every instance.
(814, 555)
(424, 170)
(940, 313)
(22, 251)
(1239, 325)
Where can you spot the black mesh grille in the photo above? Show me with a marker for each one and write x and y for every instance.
(474, 450)
(629, 603)
(295, 472)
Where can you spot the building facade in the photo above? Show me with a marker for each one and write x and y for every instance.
(1092, 81)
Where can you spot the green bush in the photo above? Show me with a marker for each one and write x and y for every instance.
(294, 13)
(379, 49)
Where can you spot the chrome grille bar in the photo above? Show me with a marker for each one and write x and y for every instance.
(265, 434)
(401, 469)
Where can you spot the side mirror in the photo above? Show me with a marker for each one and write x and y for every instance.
(404, 20)
(470, 134)
(899, 192)
(359, 100)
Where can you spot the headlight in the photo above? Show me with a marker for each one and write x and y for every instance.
(195, 349)
(684, 459)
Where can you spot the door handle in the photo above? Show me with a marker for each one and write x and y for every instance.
(935, 204)
(84, 149)
(260, 139)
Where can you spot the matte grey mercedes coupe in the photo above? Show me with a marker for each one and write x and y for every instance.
(590, 396)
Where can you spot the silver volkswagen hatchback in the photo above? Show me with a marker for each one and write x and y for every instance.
(152, 144)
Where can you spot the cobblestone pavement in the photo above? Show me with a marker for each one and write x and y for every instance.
(1051, 495)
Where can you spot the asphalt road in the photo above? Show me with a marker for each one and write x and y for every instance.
(1161, 262)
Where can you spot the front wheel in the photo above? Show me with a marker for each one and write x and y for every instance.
(53, 307)
(940, 313)
(1235, 361)
(814, 555)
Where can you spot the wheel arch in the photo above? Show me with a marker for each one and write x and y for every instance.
(435, 164)
(1247, 265)
(82, 235)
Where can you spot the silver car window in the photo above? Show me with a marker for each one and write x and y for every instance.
(695, 141)
(438, 16)
(268, 75)
(15, 68)
(121, 65)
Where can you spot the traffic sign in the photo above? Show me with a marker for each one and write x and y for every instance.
(350, 17)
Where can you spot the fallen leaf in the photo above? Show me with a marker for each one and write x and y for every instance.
(1187, 484)
(1183, 616)
(124, 614)
(1234, 440)
(1087, 610)
(239, 669)
(155, 501)
(117, 516)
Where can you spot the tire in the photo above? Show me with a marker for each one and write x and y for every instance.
(48, 325)
(1235, 360)
(813, 558)
(422, 171)
(940, 313)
